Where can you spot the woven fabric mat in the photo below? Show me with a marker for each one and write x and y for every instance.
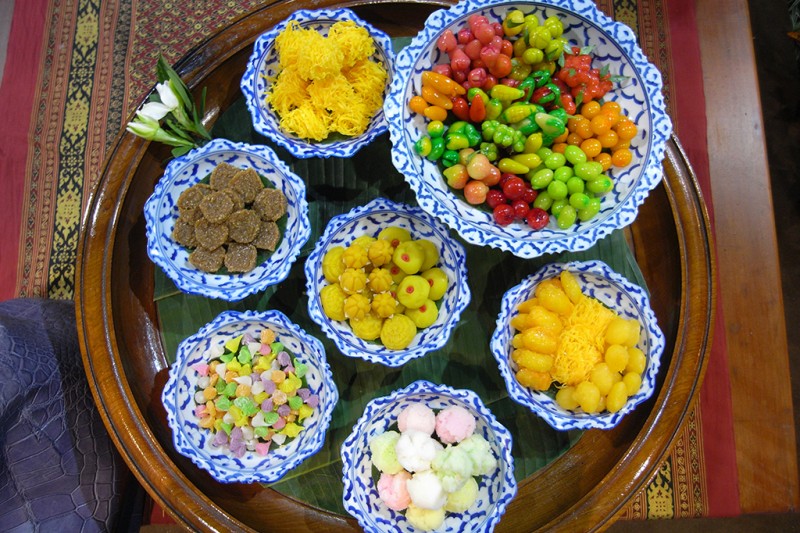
(96, 61)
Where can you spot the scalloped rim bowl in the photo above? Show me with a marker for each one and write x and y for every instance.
(193, 441)
(161, 212)
(262, 67)
(613, 290)
(640, 97)
(370, 219)
(360, 493)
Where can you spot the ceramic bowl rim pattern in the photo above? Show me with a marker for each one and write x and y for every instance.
(539, 402)
(221, 464)
(264, 120)
(478, 228)
(169, 255)
(503, 444)
(375, 352)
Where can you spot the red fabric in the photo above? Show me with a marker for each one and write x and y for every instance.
(715, 395)
(16, 106)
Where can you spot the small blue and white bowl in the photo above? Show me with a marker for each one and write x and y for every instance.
(370, 219)
(360, 495)
(161, 213)
(195, 442)
(598, 281)
(614, 44)
(263, 67)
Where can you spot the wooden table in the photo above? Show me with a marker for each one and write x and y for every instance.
(749, 272)
(126, 363)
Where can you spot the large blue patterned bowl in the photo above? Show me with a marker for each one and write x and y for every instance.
(369, 220)
(360, 491)
(263, 67)
(639, 96)
(195, 442)
(161, 214)
(599, 281)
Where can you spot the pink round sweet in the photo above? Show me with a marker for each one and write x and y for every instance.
(392, 490)
(454, 424)
(417, 417)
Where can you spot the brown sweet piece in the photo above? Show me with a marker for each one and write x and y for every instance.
(268, 236)
(183, 233)
(243, 226)
(210, 235)
(190, 215)
(221, 176)
(191, 197)
(207, 260)
(270, 204)
(240, 257)
(247, 183)
(216, 207)
(238, 201)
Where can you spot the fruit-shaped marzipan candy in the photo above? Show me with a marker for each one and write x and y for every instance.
(437, 279)
(413, 291)
(409, 256)
(395, 235)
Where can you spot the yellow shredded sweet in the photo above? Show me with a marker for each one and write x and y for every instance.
(327, 84)
(581, 343)
(353, 40)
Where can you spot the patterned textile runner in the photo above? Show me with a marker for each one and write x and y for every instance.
(76, 70)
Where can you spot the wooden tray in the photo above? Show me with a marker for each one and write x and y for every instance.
(126, 363)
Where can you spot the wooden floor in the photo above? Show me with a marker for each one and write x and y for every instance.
(748, 261)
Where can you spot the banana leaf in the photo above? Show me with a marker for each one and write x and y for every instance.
(334, 186)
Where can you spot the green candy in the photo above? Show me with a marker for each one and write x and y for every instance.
(295, 402)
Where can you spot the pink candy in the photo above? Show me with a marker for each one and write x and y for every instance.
(392, 490)
(454, 424)
(418, 417)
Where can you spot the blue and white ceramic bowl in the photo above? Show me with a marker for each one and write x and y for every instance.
(639, 96)
(263, 67)
(194, 442)
(161, 213)
(370, 219)
(360, 490)
(598, 281)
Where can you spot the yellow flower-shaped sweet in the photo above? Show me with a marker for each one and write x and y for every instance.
(356, 306)
(384, 304)
(355, 256)
(353, 280)
(380, 252)
(380, 280)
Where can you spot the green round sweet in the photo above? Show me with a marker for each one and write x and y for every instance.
(424, 315)
(413, 291)
(437, 279)
(431, 254)
(409, 256)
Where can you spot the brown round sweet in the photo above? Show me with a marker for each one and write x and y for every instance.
(270, 204)
(268, 236)
(221, 176)
(191, 197)
(243, 226)
(183, 233)
(210, 235)
(207, 260)
(240, 257)
(216, 207)
(247, 183)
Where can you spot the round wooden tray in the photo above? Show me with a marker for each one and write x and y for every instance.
(126, 363)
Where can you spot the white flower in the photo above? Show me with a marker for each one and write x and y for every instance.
(145, 127)
(153, 111)
(167, 95)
